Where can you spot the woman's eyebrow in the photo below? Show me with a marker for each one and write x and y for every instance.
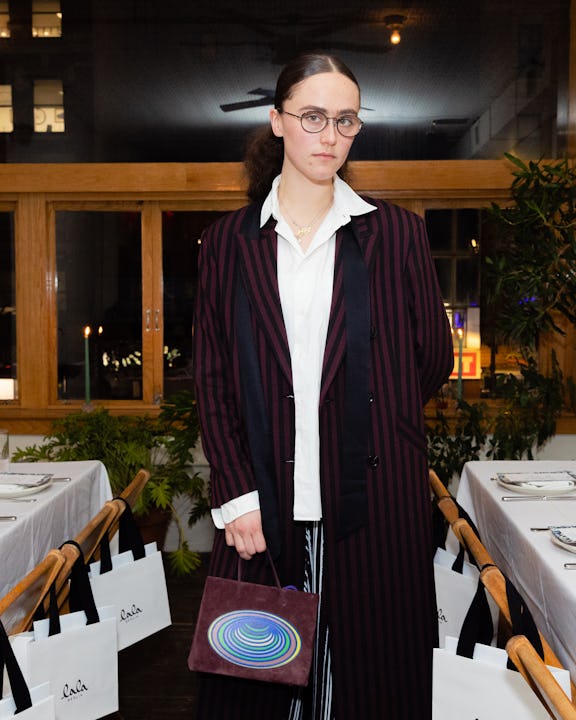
(347, 111)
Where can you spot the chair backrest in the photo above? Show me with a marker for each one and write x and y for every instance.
(444, 499)
(540, 679)
(495, 583)
(88, 541)
(132, 492)
(90, 536)
(130, 495)
(18, 606)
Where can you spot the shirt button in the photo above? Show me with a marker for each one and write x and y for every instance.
(373, 461)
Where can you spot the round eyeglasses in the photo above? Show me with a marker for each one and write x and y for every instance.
(315, 121)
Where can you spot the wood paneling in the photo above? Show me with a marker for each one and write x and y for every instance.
(37, 191)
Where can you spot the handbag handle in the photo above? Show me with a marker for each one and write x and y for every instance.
(129, 538)
(276, 578)
(18, 685)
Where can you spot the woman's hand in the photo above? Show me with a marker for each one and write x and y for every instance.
(245, 534)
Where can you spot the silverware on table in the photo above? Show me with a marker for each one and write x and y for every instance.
(549, 527)
(525, 498)
(569, 566)
(7, 500)
(61, 479)
(7, 518)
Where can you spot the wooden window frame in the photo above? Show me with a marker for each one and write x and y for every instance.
(37, 191)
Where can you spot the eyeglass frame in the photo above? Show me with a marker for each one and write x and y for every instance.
(335, 120)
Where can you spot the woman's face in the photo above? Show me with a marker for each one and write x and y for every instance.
(316, 156)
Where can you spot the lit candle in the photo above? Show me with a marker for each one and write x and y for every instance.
(87, 365)
(460, 341)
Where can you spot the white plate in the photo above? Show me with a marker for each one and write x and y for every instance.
(28, 484)
(546, 483)
(565, 537)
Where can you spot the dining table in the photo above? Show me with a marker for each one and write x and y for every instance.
(514, 520)
(35, 519)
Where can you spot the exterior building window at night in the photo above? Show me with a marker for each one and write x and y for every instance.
(8, 388)
(46, 18)
(455, 237)
(4, 19)
(48, 106)
(6, 115)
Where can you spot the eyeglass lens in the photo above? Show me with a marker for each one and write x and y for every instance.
(347, 125)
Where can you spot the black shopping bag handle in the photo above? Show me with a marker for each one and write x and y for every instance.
(80, 595)
(129, 538)
(522, 620)
(477, 626)
(18, 686)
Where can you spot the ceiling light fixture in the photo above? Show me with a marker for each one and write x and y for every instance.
(394, 23)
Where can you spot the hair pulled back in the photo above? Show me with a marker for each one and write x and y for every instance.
(264, 151)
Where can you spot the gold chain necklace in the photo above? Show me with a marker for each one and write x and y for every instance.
(303, 230)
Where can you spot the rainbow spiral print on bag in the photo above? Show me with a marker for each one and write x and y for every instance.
(254, 639)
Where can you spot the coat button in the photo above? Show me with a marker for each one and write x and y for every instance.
(373, 461)
(373, 331)
(371, 397)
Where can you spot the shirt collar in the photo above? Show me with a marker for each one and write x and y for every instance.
(346, 202)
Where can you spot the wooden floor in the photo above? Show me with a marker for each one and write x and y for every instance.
(154, 680)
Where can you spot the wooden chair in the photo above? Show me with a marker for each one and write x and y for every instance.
(130, 495)
(540, 679)
(132, 492)
(444, 500)
(90, 536)
(495, 583)
(18, 606)
(88, 541)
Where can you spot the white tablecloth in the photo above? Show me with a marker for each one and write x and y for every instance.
(58, 514)
(529, 558)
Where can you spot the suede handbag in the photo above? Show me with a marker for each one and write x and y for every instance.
(256, 632)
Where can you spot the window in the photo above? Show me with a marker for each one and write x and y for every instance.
(99, 286)
(181, 233)
(46, 18)
(4, 19)
(7, 309)
(6, 113)
(48, 106)
(455, 236)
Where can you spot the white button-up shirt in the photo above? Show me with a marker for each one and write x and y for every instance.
(305, 280)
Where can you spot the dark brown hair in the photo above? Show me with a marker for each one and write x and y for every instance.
(264, 151)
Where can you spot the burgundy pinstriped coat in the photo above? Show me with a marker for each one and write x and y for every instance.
(378, 580)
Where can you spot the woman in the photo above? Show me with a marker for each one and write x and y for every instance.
(319, 335)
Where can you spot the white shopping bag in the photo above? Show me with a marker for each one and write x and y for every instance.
(42, 705)
(137, 588)
(28, 703)
(482, 688)
(471, 679)
(454, 594)
(80, 662)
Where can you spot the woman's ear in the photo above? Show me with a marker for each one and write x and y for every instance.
(276, 122)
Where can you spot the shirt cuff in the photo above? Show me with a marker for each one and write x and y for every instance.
(234, 508)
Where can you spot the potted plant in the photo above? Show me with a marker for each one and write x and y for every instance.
(124, 443)
(529, 273)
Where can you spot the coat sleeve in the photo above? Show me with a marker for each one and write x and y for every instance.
(432, 333)
(223, 438)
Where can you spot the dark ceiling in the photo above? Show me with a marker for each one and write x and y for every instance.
(469, 79)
